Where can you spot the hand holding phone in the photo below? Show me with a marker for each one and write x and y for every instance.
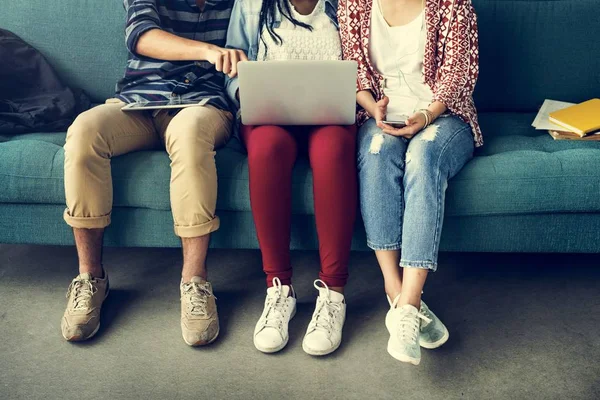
(396, 121)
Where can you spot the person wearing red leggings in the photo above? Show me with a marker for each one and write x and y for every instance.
(292, 30)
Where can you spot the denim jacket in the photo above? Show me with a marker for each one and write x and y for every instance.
(243, 33)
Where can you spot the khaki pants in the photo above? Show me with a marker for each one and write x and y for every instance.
(190, 138)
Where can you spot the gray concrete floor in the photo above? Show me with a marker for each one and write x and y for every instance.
(521, 327)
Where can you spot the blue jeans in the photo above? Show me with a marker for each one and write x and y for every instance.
(402, 186)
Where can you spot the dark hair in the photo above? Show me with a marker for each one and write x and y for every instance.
(267, 18)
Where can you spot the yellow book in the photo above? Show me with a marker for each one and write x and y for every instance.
(581, 118)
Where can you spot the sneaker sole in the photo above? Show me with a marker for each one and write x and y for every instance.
(268, 350)
(200, 343)
(435, 345)
(81, 339)
(402, 357)
(318, 353)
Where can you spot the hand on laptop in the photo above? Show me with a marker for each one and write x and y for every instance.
(225, 60)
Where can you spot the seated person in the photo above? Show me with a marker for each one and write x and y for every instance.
(169, 59)
(419, 59)
(297, 30)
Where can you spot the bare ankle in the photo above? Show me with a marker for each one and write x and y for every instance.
(413, 300)
(339, 289)
(393, 291)
(95, 270)
(187, 276)
(194, 257)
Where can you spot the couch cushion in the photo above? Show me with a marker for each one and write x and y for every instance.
(518, 171)
(521, 171)
(31, 171)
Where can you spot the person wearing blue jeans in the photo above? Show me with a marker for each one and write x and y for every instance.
(402, 190)
(417, 68)
(403, 184)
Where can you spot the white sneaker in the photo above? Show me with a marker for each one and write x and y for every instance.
(404, 324)
(432, 334)
(324, 333)
(271, 332)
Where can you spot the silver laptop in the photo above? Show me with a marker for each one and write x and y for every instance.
(297, 92)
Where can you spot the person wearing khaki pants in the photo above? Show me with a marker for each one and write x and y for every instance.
(164, 64)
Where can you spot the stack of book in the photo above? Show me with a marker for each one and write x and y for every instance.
(568, 121)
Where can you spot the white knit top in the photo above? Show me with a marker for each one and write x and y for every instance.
(298, 43)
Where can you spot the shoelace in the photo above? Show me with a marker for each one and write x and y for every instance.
(409, 326)
(197, 295)
(82, 290)
(275, 306)
(326, 311)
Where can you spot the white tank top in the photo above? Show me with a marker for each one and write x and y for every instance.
(322, 43)
(397, 53)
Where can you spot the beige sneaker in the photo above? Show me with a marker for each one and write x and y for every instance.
(81, 319)
(199, 318)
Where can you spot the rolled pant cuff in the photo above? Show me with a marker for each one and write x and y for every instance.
(197, 230)
(387, 247)
(86, 222)
(419, 264)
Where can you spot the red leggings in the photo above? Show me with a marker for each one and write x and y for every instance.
(272, 152)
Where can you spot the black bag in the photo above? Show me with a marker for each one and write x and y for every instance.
(32, 97)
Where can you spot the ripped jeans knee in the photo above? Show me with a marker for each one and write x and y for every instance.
(376, 143)
(430, 133)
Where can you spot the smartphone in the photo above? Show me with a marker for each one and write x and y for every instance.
(396, 122)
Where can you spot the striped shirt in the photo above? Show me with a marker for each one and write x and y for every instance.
(148, 79)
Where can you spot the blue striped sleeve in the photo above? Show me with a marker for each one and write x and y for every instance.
(142, 16)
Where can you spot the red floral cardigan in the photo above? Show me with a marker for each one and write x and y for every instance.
(451, 63)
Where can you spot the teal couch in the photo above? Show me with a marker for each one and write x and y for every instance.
(523, 192)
